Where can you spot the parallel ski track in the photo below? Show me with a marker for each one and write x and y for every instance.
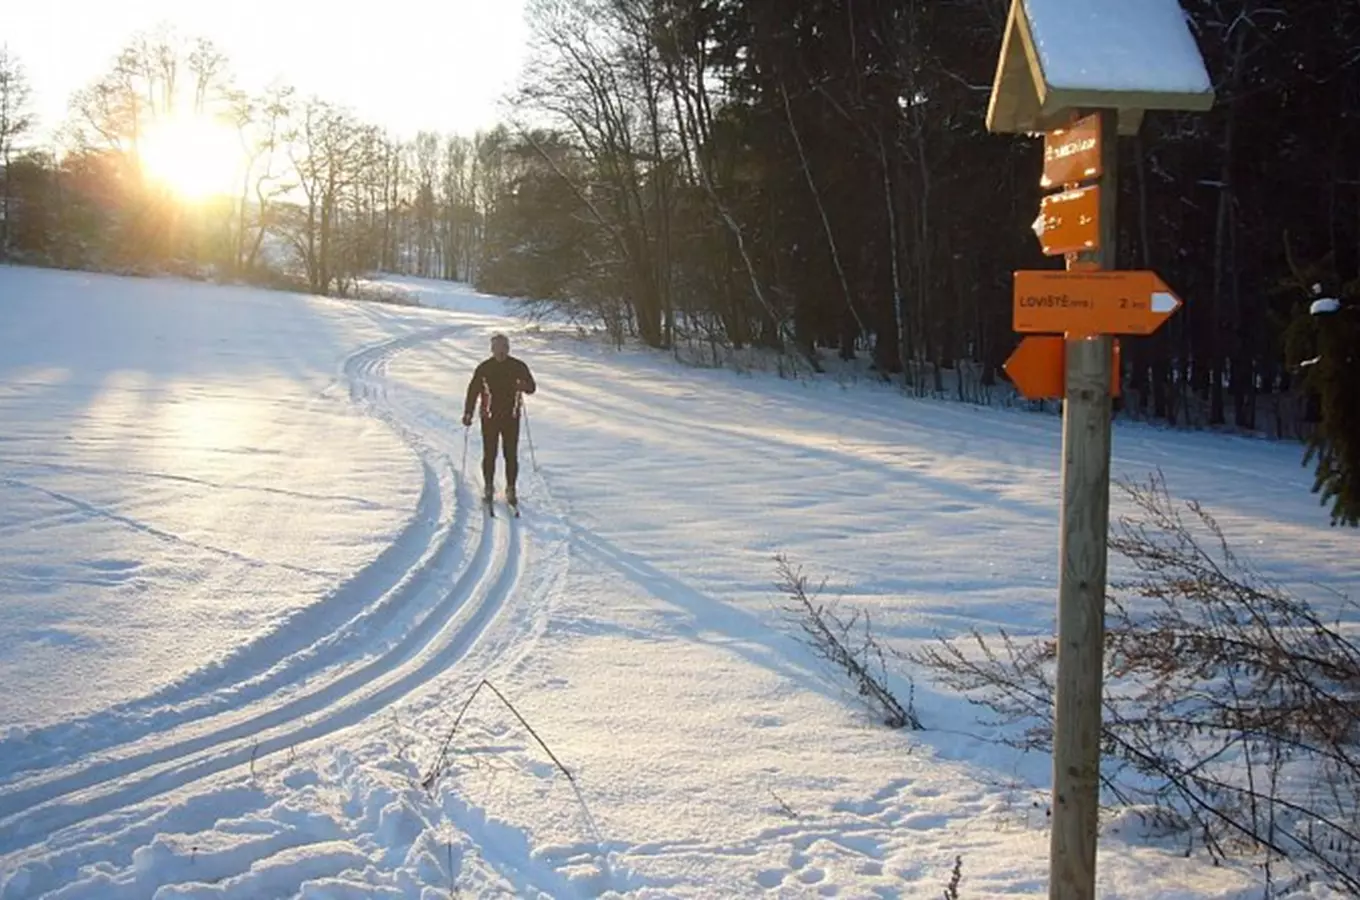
(378, 595)
(34, 810)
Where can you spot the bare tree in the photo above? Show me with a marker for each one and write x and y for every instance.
(155, 79)
(821, 210)
(458, 207)
(261, 124)
(15, 122)
(333, 154)
(208, 66)
(391, 182)
(426, 169)
(688, 81)
(594, 76)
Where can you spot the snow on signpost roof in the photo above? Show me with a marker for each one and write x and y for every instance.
(1117, 45)
(1064, 57)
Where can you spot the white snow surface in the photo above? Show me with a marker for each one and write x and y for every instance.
(245, 590)
(1117, 45)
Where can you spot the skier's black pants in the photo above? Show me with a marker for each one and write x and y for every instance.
(502, 430)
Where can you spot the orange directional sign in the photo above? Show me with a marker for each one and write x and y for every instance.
(1039, 367)
(1080, 304)
(1070, 221)
(1072, 154)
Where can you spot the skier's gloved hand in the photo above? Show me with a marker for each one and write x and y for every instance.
(467, 420)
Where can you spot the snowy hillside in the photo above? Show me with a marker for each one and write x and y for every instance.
(245, 589)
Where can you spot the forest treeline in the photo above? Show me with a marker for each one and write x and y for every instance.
(320, 198)
(814, 177)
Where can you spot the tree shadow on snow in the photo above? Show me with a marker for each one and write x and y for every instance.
(742, 633)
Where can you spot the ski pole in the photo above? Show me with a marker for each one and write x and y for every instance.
(462, 469)
(529, 433)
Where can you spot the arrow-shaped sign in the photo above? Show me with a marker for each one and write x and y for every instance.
(1081, 304)
(1038, 367)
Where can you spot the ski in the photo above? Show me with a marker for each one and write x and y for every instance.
(490, 508)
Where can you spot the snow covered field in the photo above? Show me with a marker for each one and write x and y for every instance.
(245, 590)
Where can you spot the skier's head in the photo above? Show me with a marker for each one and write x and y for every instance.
(500, 346)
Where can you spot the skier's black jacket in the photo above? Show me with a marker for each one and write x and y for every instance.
(498, 383)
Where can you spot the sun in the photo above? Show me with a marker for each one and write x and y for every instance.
(195, 157)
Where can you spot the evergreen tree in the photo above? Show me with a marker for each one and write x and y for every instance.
(1334, 375)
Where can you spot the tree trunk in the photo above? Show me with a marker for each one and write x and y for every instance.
(821, 212)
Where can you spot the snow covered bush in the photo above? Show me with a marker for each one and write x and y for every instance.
(1231, 705)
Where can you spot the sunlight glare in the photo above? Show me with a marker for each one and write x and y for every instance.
(194, 156)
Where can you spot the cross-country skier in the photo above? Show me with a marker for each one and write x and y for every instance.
(499, 382)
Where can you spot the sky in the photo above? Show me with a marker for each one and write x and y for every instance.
(406, 65)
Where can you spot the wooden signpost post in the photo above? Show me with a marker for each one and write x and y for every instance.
(1071, 319)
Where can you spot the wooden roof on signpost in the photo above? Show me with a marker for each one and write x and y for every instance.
(1061, 57)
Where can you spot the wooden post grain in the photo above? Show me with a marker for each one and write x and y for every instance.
(1081, 592)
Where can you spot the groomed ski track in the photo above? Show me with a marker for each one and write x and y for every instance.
(430, 601)
(630, 616)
